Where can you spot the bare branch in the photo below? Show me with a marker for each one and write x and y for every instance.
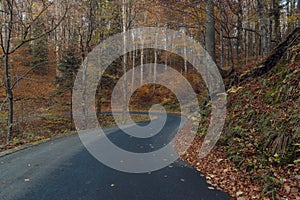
(3, 11)
(34, 20)
(3, 103)
(41, 35)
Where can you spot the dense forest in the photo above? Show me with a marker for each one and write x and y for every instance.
(255, 45)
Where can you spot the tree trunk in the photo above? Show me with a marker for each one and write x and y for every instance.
(221, 39)
(166, 45)
(57, 36)
(298, 13)
(142, 62)
(239, 33)
(6, 38)
(9, 95)
(124, 29)
(277, 31)
(263, 28)
(133, 72)
(210, 40)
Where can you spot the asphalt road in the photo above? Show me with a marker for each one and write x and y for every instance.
(63, 169)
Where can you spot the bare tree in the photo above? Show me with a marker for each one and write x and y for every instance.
(10, 16)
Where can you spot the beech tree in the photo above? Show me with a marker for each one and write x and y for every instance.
(210, 38)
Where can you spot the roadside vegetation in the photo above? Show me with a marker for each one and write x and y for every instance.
(258, 155)
(255, 44)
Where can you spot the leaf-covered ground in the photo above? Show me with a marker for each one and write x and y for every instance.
(258, 154)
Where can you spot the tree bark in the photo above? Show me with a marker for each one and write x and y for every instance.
(133, 72)
(124, 29)
(263, 28)
(221, 39)
(142, 62)
(276, 10)
(239, 33)
(210, 40)
(57, 36)
(6, 36)
(298, 13)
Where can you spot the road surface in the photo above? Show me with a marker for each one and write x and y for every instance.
(62, 169)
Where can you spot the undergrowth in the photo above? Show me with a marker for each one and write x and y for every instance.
(262, 127)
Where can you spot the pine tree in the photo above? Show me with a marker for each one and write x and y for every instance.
(39, 51)
(68, 65)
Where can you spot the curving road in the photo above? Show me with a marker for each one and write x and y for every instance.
(63, 169)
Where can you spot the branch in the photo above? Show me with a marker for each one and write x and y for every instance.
(3, 11)
(41, 35)
(234, 37)
(2, 45)
(3, 102)
(34, 20)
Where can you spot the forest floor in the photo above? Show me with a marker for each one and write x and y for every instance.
(257, 156)
(224, 175)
